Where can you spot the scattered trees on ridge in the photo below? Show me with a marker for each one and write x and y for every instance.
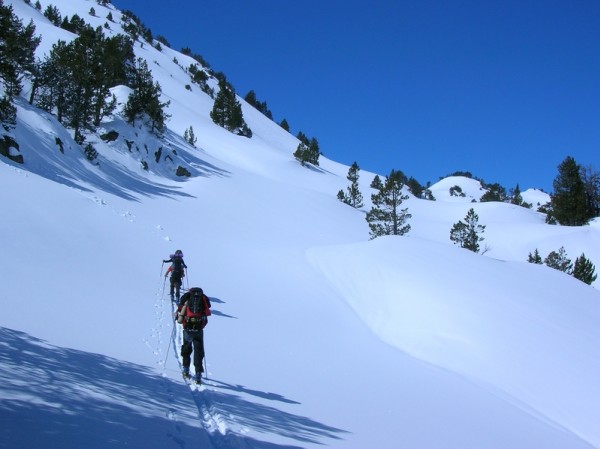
(584, 269)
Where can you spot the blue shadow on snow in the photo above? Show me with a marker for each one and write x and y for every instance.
(52, 396)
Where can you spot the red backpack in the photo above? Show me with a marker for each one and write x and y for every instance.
(197, 309)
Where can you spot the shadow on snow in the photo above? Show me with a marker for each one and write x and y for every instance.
(70, 167)
(61, 397)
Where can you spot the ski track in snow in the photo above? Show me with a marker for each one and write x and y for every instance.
(211, 420)
(215, 425)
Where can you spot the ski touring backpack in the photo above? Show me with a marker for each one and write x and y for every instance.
(197, 309)
(177, 262)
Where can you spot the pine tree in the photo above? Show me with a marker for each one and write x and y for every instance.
(200, 78)
(313, 152)
(591, 181)
(261, 106)
(386, 217)
(307, 151)
(515, 197)
(301, 153)
(144, 101)
(569, 198)
(495, 192)
(584, 270)
(303, 138)
(53, 15)
(74, 81)
(8, 114)
(415, 187)
(353, 197)
(17, 50)
(467, 234)
(190, 137)
(535, 257)
(285, 125)
(376, 183)
(227, 111)
(559, 261)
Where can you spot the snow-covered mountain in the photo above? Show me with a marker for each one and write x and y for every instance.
(319, 336)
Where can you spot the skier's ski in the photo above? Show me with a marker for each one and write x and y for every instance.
(192, 382)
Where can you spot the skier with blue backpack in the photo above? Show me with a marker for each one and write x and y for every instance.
(177, 273)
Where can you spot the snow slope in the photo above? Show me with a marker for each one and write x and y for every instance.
(319, 336)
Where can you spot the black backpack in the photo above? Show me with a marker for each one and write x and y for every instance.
(177, 264)
(198, 302)
(198, 308)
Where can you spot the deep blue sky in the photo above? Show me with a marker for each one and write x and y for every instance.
(503, 89)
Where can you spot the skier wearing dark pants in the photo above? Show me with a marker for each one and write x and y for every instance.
(177, 273)
(193, 313)
(193, 341)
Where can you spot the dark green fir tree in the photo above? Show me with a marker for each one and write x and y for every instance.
(227, 111)
(535, 257)
(353, 196)
(386, 217)
(467, 233)
(569, 201)
(584, 270)
(559, 261)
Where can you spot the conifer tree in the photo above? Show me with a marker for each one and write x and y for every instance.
(584, 270)
(261, 106)
(515, 197)
(303, 138)
(535, 257)
(353, 197)
(227, 111)
(591, 181)
(190, 137)
(301, 153)
(200, 77)
(74, 81)
(376, 183)
(415, 187)
(144, 101)
(559, 261)
(53, 15)
(569, 198)
(467, 234)
(386, 217)
(307, 151)
(314, 152)
(17, 50)
(495, 192)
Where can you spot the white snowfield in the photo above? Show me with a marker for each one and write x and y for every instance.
(319, 337)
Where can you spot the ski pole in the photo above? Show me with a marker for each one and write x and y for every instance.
(204, 351)
(169, 347)
(162, 295)
(161, 267)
